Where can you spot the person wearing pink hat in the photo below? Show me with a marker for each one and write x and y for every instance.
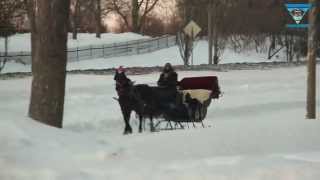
(121, 69)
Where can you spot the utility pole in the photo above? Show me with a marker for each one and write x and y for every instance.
(312, 47)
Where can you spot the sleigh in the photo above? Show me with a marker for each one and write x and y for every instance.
(194, 97)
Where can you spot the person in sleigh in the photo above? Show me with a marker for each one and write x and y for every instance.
(168, 77)
(167, 86)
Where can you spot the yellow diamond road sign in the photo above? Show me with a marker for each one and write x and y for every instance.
(192, 29)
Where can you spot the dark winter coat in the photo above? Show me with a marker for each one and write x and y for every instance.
(168, 79)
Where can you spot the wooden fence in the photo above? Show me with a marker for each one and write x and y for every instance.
(104, 51)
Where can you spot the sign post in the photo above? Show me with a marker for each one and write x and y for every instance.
(312, 64)
(192, 29)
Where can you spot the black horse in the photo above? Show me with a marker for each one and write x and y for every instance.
(138, 98)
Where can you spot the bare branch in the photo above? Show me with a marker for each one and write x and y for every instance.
(118, 9)
(140, 3)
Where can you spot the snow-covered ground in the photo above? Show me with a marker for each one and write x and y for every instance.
(158, 58)
(22, 42)
(258, 131)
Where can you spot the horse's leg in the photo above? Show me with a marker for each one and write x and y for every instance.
(182, 127)
(170, 125)
(152, 129)
(126, 112)
(140, 123)
(128, 129)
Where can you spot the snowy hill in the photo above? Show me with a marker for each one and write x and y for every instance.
(258, 131)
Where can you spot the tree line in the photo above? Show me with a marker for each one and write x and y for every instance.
(246, 24)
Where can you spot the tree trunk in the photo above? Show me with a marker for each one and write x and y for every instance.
(74, 33)
(312, 47)
(75, 20)
(215, 36)
(272, 45)
(4, 61)
(135, 16)
(210, 26)
(98, 18)
(289, 45)
(49, 57)
(215, 47)
(188, 40)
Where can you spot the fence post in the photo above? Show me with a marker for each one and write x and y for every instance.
(113, 49)
(77, 50)
(21, 57)
(167, 41)
(158, 42)
(103, 50)
(138, 47)
(91, 51)
(127, 48)
(177, 39)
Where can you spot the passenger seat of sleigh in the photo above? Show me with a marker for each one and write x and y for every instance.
(201, 95)
(189, 105)
(197, 93)
(209, 83)
(196, 102)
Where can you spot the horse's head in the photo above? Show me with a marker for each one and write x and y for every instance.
(123, 83)
(120, 77)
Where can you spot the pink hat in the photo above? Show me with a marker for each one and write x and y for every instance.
(121, 69)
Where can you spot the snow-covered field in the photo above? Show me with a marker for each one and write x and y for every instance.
(258, 131)
(158, 58)
(22, 42)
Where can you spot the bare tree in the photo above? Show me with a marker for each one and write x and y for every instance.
(216, 41)
(75, 17)
(86, 16)
(185, 43)
(9, 10)
(98, 18)
(211, 16)
(120, 7)
(4, 60)
(49, 22)
(147, 6)
(218, 19)
(133, 12)
(312, 49)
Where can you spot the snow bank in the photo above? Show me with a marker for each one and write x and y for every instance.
(256, 131)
